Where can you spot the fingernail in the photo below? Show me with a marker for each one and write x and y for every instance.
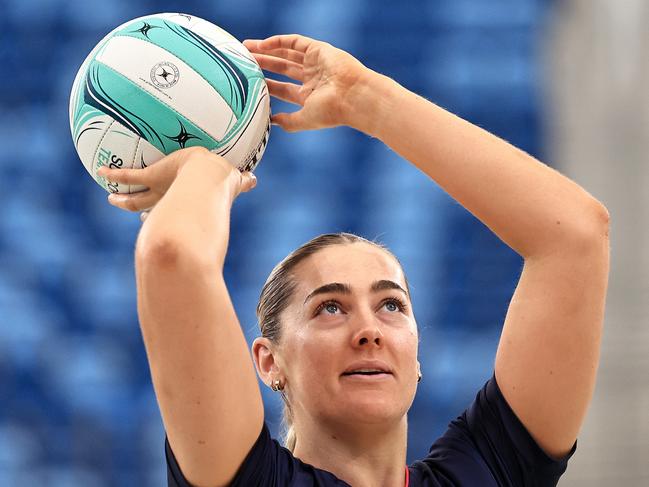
(116, 198)
(254, 180)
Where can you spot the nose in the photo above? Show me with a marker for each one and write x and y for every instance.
(368, 335)
(376, 339)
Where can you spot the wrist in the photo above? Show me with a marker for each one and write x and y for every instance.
(208, 170)
(371, 103)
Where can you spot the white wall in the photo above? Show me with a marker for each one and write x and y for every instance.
(597, 65)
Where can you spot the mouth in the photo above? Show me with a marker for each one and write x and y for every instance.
(366, 375)
(368, 372)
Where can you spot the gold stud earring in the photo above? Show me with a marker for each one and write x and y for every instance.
(277, 385)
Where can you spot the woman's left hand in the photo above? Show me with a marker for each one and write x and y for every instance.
(330, 80)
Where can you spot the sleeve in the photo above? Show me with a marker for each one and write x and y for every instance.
(258, 468)
(267, 464)
(490, 438)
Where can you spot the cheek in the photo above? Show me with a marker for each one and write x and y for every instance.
(314, 353)
(406, 347)
(406, 336)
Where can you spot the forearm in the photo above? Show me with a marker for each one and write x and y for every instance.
(531, 207)
(193, 216)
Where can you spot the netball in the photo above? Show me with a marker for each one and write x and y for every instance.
(165, 82)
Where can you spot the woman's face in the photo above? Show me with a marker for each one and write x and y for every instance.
(350, 313)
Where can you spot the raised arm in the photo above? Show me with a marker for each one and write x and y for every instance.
(202, 372)
(548, 354)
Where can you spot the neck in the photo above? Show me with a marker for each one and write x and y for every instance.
(368, 455)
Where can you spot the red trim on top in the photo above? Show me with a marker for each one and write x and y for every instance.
(407, 477)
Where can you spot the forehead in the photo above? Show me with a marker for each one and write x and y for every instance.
(358, 264)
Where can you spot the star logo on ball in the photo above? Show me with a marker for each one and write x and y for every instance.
(146, 27)
(164, 75)
(183, 136)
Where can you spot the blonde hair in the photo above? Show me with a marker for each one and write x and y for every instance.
(277, 293)
(290, 438)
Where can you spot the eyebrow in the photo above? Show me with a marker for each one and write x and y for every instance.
(341, 288)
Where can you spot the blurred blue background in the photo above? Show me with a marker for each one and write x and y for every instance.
(77, 406)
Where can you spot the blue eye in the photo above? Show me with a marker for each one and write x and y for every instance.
(395, 304)
(392, 306)
(330, 306)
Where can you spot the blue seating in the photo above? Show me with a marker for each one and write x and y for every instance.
(71, 351)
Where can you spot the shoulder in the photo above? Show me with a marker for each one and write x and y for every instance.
(267, 464)
(488, 445)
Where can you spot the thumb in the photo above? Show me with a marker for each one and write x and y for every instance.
(248, 181)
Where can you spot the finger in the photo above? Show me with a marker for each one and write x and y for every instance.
(122, 175)
(248, 181)
(288, 54)
(157, 174)
(280, 66)
(291, 122)
(289, 92)
(296, 42)
(134, 201)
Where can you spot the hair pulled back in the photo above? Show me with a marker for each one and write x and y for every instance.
(278, 291)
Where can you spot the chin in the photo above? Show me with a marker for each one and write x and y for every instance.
(370, 409)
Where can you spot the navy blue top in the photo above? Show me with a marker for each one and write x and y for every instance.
(485, 446)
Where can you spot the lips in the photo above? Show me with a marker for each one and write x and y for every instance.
(368, 367)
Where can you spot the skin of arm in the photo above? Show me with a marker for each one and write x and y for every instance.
(201, 369)
(548, 354)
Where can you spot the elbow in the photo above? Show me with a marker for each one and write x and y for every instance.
(163, 252)
(601, 222)
(604, 216)
(593, 232)
(170, 253)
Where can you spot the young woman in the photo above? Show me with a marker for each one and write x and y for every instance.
(339, 338)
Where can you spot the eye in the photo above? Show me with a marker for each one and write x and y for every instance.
(395, 304)
(330, 306)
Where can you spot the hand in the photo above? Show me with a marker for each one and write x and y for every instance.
(159, 176)
(330, 78)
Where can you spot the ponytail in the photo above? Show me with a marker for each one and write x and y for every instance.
(290, 438)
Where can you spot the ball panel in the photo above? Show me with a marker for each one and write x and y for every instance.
(79, 80)
(228, 45)
(89, 136)
(141, 112)
(228, 77)
(170, 79)
(213, 33)
(246, 143)
(145, 156)
(116, 149)
(84, 120)
(258, 107)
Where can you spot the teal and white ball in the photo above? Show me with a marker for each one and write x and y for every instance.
(164, 82)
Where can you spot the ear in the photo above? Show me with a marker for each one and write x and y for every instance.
(265, 362)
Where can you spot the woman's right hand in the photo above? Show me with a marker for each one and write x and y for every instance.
(331, 79)
(159, 176)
